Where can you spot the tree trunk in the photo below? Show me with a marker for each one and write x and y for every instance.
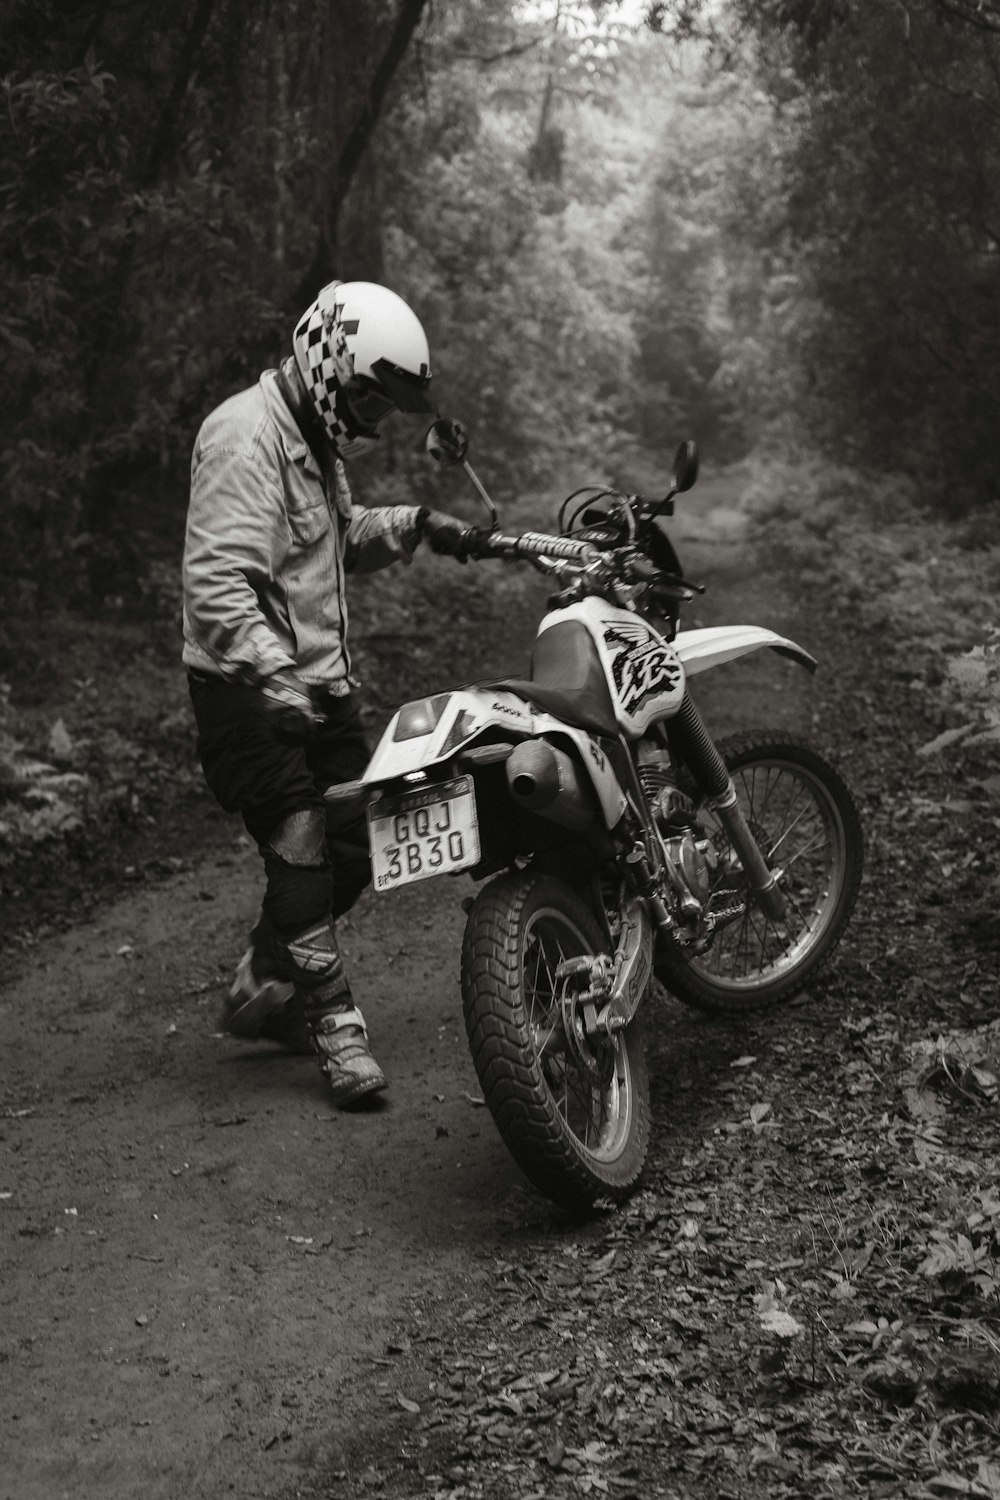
(162, 141)
(325, 256)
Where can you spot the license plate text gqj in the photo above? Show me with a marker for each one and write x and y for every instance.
(432, 831)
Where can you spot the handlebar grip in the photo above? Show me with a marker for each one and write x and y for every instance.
(536, 544)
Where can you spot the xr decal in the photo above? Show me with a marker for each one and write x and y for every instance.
(641, 666)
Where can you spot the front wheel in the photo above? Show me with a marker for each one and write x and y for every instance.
(802, 814)
(574, 1113)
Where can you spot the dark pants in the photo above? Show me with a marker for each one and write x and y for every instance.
(250, 770)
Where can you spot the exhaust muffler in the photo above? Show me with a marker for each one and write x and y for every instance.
(544, 780)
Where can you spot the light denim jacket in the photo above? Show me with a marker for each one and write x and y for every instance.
(267, 547)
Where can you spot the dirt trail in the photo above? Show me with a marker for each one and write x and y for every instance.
(212, 1283)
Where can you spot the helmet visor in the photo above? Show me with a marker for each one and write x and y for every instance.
(367, 402)
(407, 392)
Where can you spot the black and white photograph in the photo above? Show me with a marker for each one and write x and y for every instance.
(500, 749)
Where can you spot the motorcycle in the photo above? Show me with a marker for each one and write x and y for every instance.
(615, 842)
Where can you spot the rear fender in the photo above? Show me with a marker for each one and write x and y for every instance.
(432, 731)
(701, 650)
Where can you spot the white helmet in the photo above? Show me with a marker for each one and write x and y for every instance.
(362, 354)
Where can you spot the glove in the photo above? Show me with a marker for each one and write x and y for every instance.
(445, 535)
(288, 706)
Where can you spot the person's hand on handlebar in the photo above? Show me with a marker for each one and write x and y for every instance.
(479, 543)
(446, 535)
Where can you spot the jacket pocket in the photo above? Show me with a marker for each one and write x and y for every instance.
(309, 524)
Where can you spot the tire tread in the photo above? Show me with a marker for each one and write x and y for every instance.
(503, 1056)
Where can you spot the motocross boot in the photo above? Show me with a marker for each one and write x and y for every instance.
(335, 1024)
(261, 1006)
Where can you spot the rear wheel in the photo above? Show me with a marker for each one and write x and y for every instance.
(574, 1113)
(802, 814)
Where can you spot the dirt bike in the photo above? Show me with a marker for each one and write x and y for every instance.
(618, 843)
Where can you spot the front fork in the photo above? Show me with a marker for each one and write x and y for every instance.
(698, 749)
(762, 880)
(604, 992)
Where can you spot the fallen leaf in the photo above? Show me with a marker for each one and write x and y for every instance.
(775, 1320)
(989, 1478)
(406, 1403)
(602, 1266)
(941, 741)
(844, 1291)
(894, 1380)
(946, 1483)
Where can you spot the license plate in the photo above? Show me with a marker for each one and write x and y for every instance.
(432, 831)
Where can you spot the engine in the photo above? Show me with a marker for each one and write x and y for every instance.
(690, 857)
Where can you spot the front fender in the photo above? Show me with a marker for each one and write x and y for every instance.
(713, 647)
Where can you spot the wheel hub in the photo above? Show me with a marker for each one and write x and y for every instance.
(586, 985)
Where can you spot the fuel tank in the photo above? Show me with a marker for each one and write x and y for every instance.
(614, 664)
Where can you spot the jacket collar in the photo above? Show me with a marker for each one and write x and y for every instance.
(274, 384)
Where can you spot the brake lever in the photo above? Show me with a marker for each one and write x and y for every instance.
(642, 570)
(674, 580)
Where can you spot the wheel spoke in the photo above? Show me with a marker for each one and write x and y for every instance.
(548, 1042)
(775, 843)
(583, 1097)
(810, 848)
(793, 819)
(597, 1115)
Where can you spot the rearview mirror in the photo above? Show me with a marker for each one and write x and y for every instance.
(685, 467)
(447, 441)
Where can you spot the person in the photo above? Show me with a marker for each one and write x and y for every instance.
(271, 533)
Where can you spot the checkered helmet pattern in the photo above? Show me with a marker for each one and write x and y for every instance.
(325, 363)
(351, 327)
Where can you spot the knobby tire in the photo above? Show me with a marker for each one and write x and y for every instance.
(805, 820)
(578, 1141)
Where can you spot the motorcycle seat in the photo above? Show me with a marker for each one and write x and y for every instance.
(567, 680)
(561, 705)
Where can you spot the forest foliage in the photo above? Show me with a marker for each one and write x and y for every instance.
(767, 221)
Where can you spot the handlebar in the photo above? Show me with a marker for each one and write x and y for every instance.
(533, 544)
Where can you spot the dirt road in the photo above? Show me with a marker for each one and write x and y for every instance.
(211, 1282)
